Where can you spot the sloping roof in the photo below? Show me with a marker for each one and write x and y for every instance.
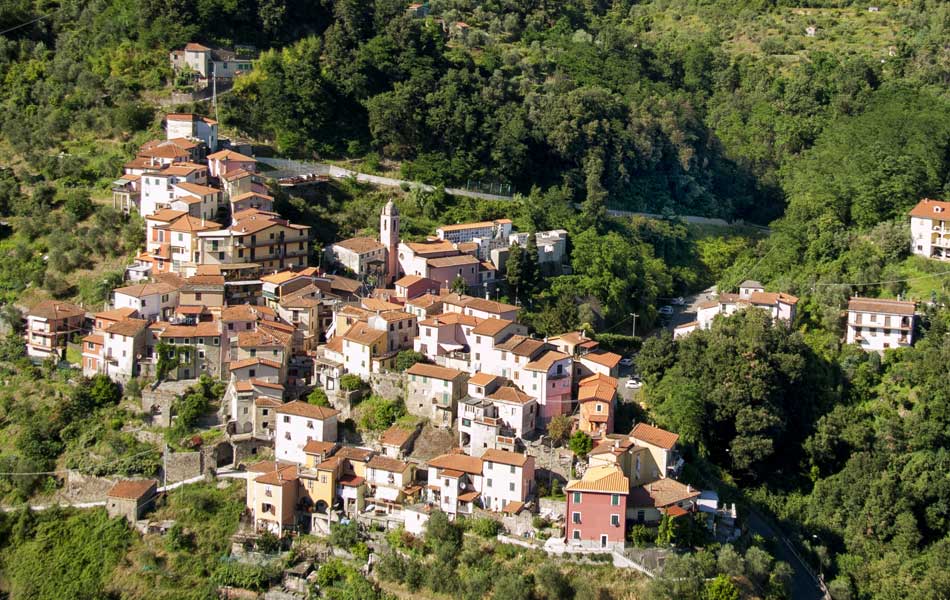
(258, 339)
(511, 395)
(362, 334)
(654, 436)
(279, 476)
(281, 277)
(146, 289)
(202, 329)
(52, 309)
(127, 327)
(384, 463)
(605, 478)
(491, 327)
(453, 261)
(877, 305)
(360, 245)
(607, 359)
(244, 312)
(661, 493)
(230, 155)
(596, 391)
(482, 378)
(303, 409)
(247, 195)
(197, 188)
(458, 462)
(250, 362)
(131, 489)
(316, 447)
(490, 306)
(751, 283)
(396, 436)
(433, 371)
(545, 361)
(166, 215)
(521, 345)
(354, 453)
(375, 304)
(236, 174)
(601, 378)
(464, 226)
(931, 209)
(504, 457)
(451, 318)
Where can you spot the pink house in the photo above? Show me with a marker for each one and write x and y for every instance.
(597, 507)
(548, 378)
(447, 268)
(413, 286)
(225, 161)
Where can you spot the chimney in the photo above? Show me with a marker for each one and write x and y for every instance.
(689, 489)
(280, 476)
(616, 443)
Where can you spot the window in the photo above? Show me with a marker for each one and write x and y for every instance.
(512, 466)
(286, 419)
(577, 496)
(511, 487)
(251, 372)
(615, 500)
(576, 518)
(309, 424)
(245, 410)
(287, 436)
(488, 465)
(577, 534)
(488, 482)
(600, 407)
(264, 412)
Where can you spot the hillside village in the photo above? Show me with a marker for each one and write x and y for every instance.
(224, 288)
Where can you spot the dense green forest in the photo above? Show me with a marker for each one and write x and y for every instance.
(709, 107)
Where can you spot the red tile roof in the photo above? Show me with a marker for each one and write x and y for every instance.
(504, 457)
(302, 409)
(131, 489)
(654, 436)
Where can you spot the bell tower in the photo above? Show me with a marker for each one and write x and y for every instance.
(389, 237)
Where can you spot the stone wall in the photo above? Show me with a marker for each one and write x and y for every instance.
(158, 404)
(391, 386)
(249, 451)
(552, 507)
(182, 465)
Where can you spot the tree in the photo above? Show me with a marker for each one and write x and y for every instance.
(350, 382)
(721, 588)
(514, 269)
(558, 428)
(377, 413)
(666, 532)
(318, 397)
(443, 537)
(512, 585)
(459, 285)
(594, 209)
(78, 204)
(407, 358)
(581, 444)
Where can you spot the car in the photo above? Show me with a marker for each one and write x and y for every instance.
(666, 310)
(626, 362)
(679, 301)
(633, 384)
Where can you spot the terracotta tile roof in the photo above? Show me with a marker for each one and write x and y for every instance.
(408, 280)
(128, 327)
(877, 305)
(451, 318)
(244, 312)
(281, 277)
(303, 409)
(236, 174)
(661, 493)
(513, 507)
(504, 457)
(203, 329)
(396, 436)
(432, 247)
(247, 195)
(482, 379)
(197, 189)
(491, 327)
(433, 371)
(469, 496)
(190, 224)
(205, 281)
(490, 306)
(93, 338)
(601, 378)
(141, 290)
(53, 310)
(362, 334)
(279, 476)
(335, 344)
(166, 215)
(131, 489)
(230, 155)
(546, 361)
(384, 463)
(188, 199)
(377, 305)
(393, 316)
(452, 261)
(360, 245)
(607, 359)
(458, 462)
(511, 395)
(605, 478)
(258, 339)
(613, 444)
(931, 209)
(451, 473)
(316, 447)
(464, 226)
(654, 436)
(345, 284)
(351, 481)
(266, 384)
(264, 401)
(596, 391)
(424, 301)
(250, 362)
(354, 453)
(266, 466)
(521, 345)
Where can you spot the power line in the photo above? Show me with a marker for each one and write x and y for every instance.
(870, 283)
(15, 27)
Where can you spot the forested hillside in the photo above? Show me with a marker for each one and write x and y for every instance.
(822, 119)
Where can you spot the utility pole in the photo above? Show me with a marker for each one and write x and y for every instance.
(634, 333)
(214, 90)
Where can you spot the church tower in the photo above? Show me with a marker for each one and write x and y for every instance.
(389, 237)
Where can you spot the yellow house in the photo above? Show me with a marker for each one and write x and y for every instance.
(362, 346)
(272, 495)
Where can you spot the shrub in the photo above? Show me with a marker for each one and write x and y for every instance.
(377, 413)
(318, 397)
(351, 382)
(485, 527)
(406, 358)
(640, 536)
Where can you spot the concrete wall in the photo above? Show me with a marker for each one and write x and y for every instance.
(552, 507)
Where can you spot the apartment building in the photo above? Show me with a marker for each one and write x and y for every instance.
(877, 325)
(257, 237)
(49, 327)
(433, 392)
(298, 423)
(930, 229)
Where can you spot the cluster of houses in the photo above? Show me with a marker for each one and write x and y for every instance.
(223, 287)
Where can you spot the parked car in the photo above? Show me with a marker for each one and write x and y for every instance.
(679, 301)
(634, 383)
(626, 362)
(666, 310)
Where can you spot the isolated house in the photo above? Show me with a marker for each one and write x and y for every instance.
(49, 326)
(877, 324)
(130, 498)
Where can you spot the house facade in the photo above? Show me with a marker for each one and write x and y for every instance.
(877, 325)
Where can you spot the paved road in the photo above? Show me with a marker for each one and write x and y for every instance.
(287, 168)
(805, 585)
